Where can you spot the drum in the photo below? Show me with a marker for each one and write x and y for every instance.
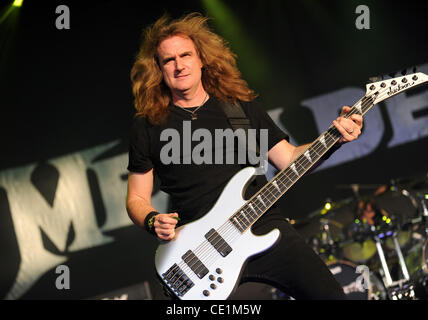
(346, 273)
(397, 204)
(403, 237)
(360, 247)
(416, 259)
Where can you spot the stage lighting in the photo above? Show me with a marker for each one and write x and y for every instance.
(17, 3)
(327, 206)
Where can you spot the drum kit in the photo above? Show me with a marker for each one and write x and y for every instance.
(375, 245)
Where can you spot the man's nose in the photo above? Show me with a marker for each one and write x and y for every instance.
(179, 64)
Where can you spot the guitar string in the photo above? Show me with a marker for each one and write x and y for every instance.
(327, 135)
(196, 270)
(297, 163)
(267, 192)
(239, 220)
(300, 163)
(236, 216)
(267, 198)
(212, 249)
(316, 144)
(197, 251)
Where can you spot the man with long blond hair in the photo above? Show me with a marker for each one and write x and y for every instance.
(182, 73)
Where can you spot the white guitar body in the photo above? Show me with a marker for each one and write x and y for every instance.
(191, 235)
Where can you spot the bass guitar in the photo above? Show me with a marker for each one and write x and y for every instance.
(205, 258)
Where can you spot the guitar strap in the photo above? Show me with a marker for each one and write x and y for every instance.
(239, 120)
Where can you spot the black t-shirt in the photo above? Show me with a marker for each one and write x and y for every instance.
(194, 188)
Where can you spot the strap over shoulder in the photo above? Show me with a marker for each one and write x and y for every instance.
(236, 115)
(238, 120)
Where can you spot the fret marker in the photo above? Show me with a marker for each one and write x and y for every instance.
(243, 213)
(252, 208)
(276, 186)
(308, 155)
(293, 167)
(261, 200)
(358, 106)
(236, 220)
(322, 140)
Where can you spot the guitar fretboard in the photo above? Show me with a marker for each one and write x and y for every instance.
(260, 202)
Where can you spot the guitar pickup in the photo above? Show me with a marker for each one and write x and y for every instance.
(195, 264)
(218, 243)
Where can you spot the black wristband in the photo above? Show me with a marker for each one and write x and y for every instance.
(332, 150)
(149, 221)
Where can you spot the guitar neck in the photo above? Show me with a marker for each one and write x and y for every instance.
(260, 202)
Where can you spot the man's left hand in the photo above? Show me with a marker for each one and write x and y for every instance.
(350, 128)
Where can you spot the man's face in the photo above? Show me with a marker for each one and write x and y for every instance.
(180, 63)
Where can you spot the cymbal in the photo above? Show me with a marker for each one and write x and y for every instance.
(420, 185)
(359, 186)
(334, 207)
(337, 224)
(415, 182)
(298, 223)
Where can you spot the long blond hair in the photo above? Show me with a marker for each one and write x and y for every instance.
(220, 75)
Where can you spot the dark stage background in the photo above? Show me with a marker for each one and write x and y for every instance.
(65, 99)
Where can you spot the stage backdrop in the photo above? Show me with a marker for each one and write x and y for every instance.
(66, 107)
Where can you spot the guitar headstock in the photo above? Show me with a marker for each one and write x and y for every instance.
(382, 90)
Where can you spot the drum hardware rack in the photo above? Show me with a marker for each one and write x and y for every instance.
(402, 289)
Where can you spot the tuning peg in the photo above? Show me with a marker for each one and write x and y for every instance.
(373, 79)
(414, 69)
(392, 74)
(404, 72)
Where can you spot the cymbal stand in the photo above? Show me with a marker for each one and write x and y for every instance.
(424, 213)
(325, 229)
(402, 288)
(387, 275)
(400, 257)
(327, 241)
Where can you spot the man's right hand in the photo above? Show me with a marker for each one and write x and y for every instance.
(165, 225)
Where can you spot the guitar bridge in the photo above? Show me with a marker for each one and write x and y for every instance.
(177, 280)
